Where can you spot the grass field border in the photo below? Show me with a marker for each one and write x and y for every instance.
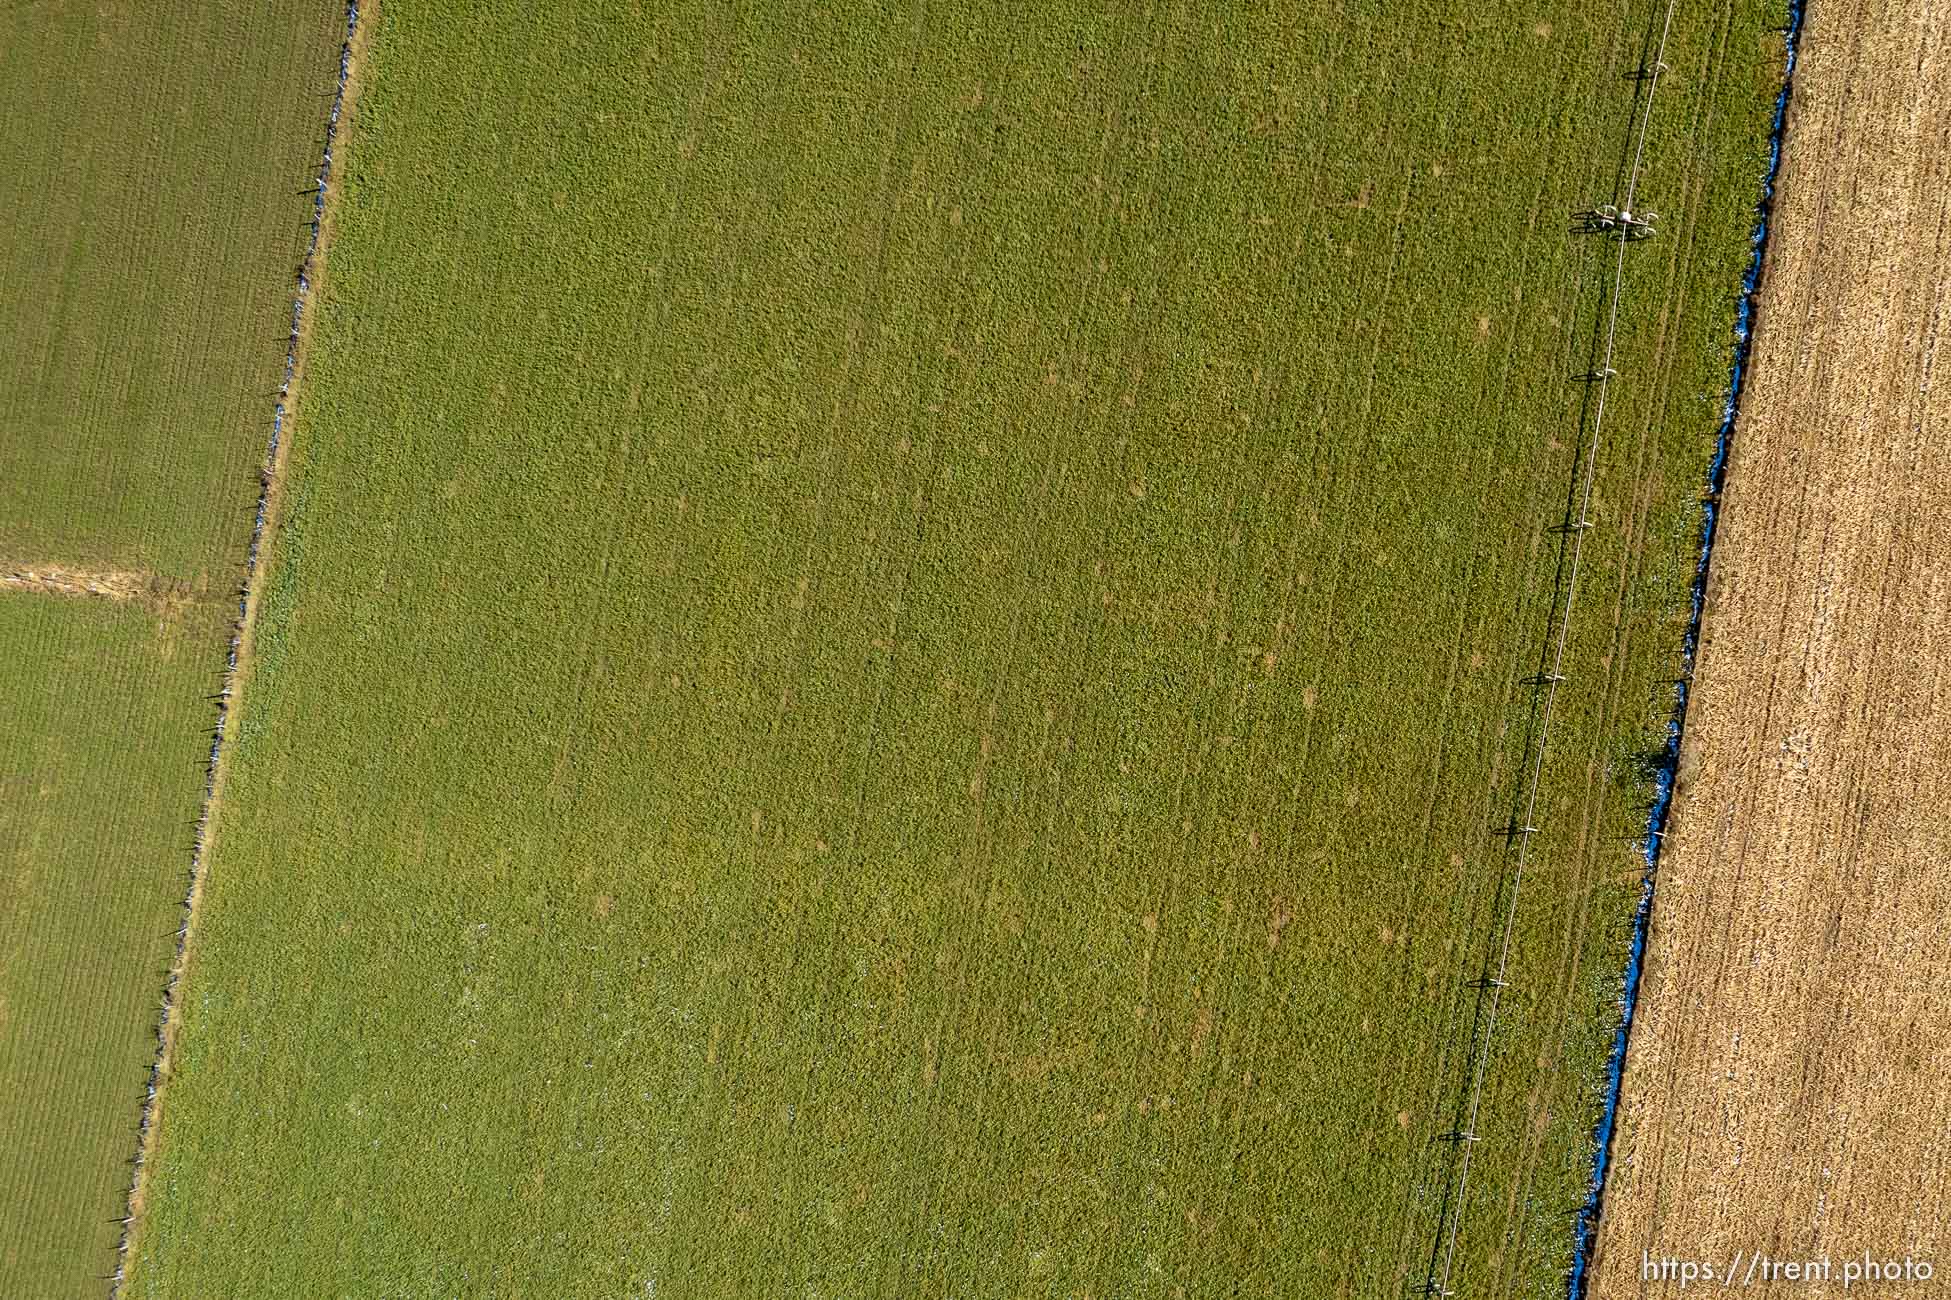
(310, 279)
(1585, 1230)
(270, 613)
(1550, 675)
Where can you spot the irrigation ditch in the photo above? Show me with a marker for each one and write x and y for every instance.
(1451, 1204)
(1586, 1228)
(226, 695)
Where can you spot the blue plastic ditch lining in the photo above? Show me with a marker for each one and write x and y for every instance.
(1586, 1231)
(236, 638)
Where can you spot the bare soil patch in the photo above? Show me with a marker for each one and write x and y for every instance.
(170, 599)
(67, 582)
(1784, 1091)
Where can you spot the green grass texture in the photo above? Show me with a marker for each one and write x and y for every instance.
(898, 639)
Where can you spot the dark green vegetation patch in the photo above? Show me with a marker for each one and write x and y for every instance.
(907, 640)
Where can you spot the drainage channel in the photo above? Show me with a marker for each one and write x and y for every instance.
(1586, 1230)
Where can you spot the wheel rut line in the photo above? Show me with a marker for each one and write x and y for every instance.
(118, 585)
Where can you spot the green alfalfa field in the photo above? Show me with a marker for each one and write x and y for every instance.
(151, 163)
(152, 177)
(897, 637)
(105, 722)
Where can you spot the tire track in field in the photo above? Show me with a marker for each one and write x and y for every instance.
(1282, 640)
(1112, 151)
(1139, 352)
(1467, 895)
(1242, 1032)
(1109, 169)
(1524, 805)
(231, 691)
(677, 1264)
(1418, 1203)
(1419, 1200)
(859, 366)
(1192, 802)
(924, 478)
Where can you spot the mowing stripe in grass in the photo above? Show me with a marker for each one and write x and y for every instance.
(1586, 1232)
(239, 634)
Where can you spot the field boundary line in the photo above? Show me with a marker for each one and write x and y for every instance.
(1437, 1282)
(238, 655)
(1585, 1232)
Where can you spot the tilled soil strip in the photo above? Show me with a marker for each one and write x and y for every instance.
(67, 582)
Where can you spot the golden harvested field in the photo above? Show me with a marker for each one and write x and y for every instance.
(1785, 1093)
